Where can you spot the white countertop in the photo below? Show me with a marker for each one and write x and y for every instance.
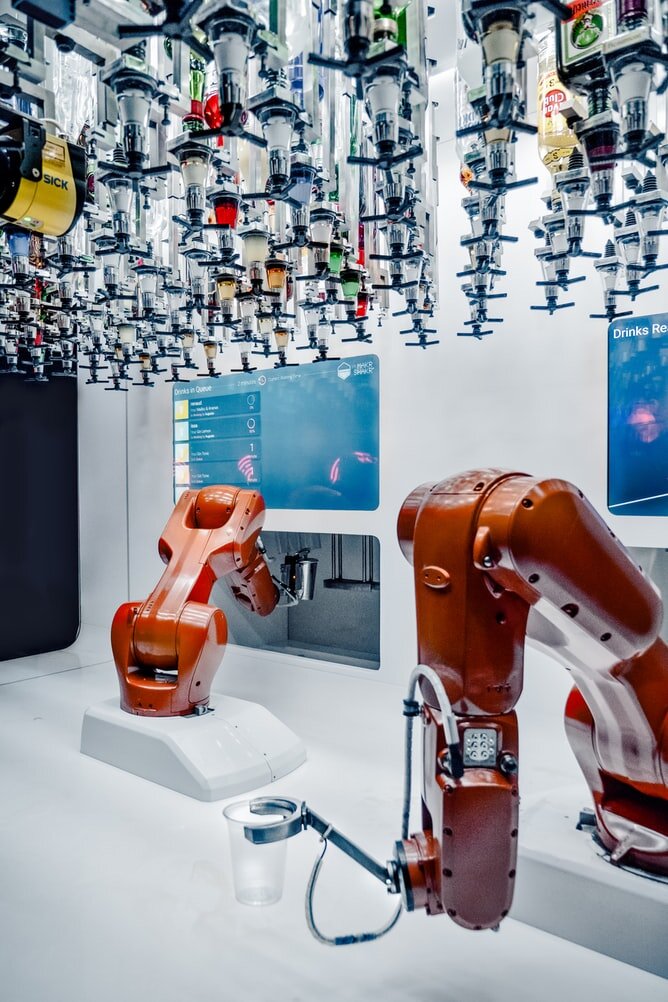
(116, 889)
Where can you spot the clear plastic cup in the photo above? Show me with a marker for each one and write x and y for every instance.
(258, 870)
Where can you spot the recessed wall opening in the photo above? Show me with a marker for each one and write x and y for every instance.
(340, 623)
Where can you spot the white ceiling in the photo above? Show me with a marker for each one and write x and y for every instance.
(441, 33)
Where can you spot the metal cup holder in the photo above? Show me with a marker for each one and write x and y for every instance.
(298, 575)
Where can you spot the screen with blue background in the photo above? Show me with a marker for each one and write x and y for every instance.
(638, 415)
(306, 437)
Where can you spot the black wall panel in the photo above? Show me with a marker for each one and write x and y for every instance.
(39, 517)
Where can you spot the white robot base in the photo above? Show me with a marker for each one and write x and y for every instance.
(236, 747)
(566, 886)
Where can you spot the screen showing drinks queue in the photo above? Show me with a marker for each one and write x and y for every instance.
(305, 437)
(638, 415)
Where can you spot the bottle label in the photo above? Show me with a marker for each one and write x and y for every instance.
(591, 24)
(552, 96)
(555, 139)
(552, 99)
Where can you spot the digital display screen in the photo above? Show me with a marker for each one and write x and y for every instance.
(638, 415)
(306, 437)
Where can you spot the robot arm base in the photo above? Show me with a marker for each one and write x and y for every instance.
(167, 650)
(183, 688)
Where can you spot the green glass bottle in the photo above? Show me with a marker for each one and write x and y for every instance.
(397, 12)
(194, 121)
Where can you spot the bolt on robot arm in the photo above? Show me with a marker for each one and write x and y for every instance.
(500, 557)
(167, 650)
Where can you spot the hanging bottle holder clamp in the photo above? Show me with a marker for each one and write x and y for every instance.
(297, 816)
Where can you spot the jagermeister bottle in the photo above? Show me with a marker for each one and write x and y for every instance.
(396, 10)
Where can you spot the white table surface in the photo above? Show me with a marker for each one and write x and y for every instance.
(116, 889)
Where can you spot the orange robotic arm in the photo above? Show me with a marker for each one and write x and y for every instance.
(167, 650)
(498, 557)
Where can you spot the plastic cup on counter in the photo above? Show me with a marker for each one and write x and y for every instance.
(258, 870)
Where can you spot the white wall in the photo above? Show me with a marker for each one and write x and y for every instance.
(103, 493)
(531, 397)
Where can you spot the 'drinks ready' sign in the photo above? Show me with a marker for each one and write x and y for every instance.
(638, 415)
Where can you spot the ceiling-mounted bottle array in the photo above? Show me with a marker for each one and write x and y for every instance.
(601, 68)
(258, 174)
